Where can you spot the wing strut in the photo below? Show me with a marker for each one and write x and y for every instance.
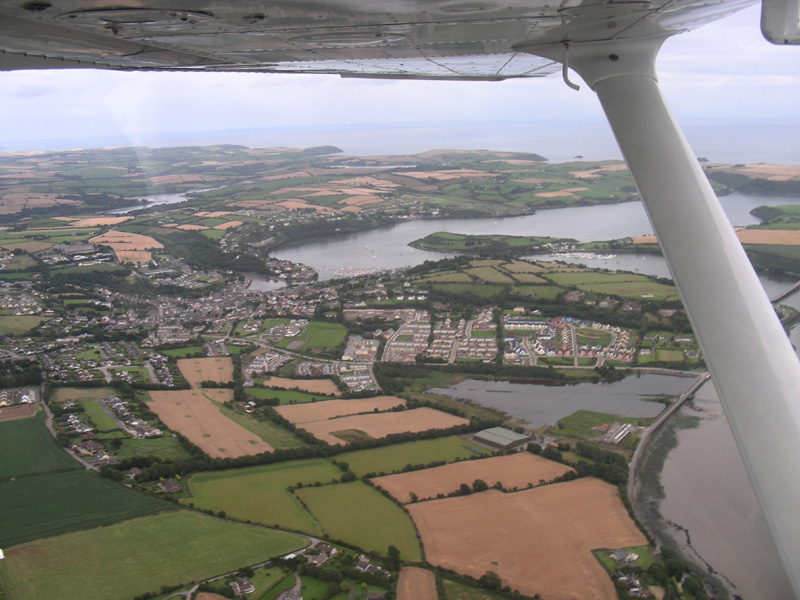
(752, 363)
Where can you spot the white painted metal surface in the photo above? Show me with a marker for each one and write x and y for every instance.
(752, 363)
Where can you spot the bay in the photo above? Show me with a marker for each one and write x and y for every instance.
(387, 248)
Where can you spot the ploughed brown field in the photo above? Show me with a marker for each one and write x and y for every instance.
(330, 409)
(416, 584)
(195, 370)
(538, 541)
(312, 386)
(520, 470)
(382, 424)
(9, 413)
(193, 414)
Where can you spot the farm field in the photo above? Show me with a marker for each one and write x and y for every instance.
(165, 447)
(137, 556)
(393, 458)
(330, 409)
(259, 493)
(416, 584)
(520, 470)
(194, 414)
(283, 396)
(44, 505)
(498, 532)
(382, 424)
(18, 325)
(313, 386)
(273, 434)
(195, 370)
(360, 515)
(322, 335)
(66, 394)
(21, 411)
(27, 448)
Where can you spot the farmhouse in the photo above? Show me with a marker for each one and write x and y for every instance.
(502, 438)
(241, 586)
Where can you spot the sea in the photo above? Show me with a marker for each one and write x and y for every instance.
(559, 141)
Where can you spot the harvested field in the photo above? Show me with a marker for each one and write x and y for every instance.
(520, 470)
(447, 175)
(212, 215)
(34, 246)
(228, 225)
(125, 241)
(597, 172)
(195, 370)
(136, 257)
(127, 247)
(193, 414)
(313, 386)
(382, 424)
(567, 193)
(23, 411)
(96, 221)
(768, 172)
(209, 596)
(778, 237)
(538, 541)
(330, 409)
(189, 227)
(416, 584)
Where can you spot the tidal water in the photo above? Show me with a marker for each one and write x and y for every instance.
(712, 508)
(388, 248)
(542, 405)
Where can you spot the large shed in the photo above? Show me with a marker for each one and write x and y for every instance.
(501, 438)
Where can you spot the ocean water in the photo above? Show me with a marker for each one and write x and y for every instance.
(723, 142)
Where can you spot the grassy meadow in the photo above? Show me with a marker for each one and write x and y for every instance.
(127, 559)
(259, 494)
(391, 459)
(358, 514)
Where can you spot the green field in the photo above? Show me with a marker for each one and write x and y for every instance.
(391, 459)
(18, 325)
(360, 515)
(320, 335)
(27, 448)
(182, 352)
(275, 435)
(165, 447)
(101, 419)
(137, 556)
(459, 591)
(44, 505)
(259, 493)
(579, 424)
(536, 292)
(284, 396)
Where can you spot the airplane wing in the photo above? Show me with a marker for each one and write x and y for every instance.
(417, 39)
(612, 44)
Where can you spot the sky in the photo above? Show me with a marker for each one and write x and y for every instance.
(719, 74)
